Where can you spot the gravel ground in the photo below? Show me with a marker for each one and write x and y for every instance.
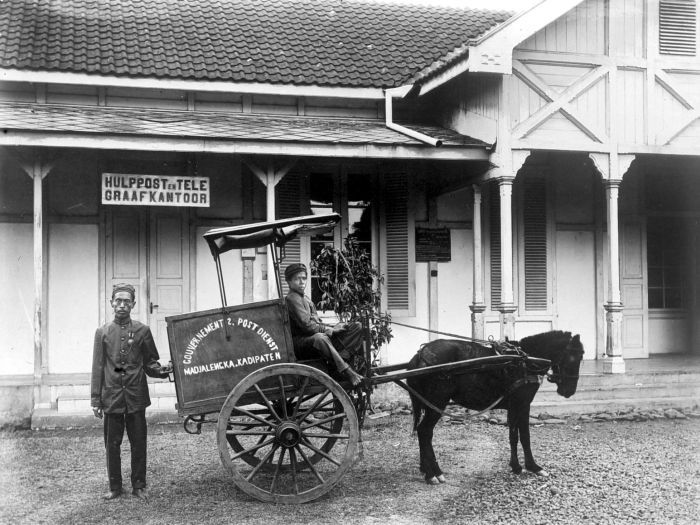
(604, 472)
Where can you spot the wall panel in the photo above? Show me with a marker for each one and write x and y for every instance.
(72, 274)
(17, 306)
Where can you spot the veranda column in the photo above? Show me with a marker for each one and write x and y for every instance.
(270, 184)
(38, 169)
(478, 306)
(613, 167)
(507, 307)
(614, 362)
(270, 177)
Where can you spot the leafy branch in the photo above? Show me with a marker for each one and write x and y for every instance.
(351, 286)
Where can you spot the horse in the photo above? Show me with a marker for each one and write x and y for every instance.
(477, 390)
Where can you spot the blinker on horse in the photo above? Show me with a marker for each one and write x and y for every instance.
(477, 390)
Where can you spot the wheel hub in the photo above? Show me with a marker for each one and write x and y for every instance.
(288, 434)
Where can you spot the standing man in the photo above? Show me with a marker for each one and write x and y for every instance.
(311, 337)
(123, 354)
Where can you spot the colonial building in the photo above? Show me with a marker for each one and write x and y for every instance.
(510, 173)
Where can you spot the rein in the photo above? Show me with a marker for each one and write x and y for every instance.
(456, 336)
(432, 407)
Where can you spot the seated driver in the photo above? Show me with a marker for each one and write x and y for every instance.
(311, 336)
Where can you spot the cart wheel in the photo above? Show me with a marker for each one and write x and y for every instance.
(296, 432)
(247, 424)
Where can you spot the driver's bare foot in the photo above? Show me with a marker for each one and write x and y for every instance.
(354, 378)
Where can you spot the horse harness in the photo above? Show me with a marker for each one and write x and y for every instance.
(429, 358)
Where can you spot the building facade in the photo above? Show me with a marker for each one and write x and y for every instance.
(510, 174)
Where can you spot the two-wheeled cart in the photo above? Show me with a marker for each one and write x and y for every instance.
(287, 430)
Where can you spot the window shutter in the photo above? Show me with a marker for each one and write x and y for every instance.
(288, 204)
(677, 27)
(535, 244)
(495, 245)
(398, 246)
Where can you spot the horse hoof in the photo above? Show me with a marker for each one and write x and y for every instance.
(542, 473)
(432, 481)
(441, 479)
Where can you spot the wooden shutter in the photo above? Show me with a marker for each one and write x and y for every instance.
(288, 204)
(398, 251)
(677, 27)
(535, 244)
(495, 245)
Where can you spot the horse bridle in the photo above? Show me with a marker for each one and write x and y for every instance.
(556, 375)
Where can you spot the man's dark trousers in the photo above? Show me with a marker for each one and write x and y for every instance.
(136, 430)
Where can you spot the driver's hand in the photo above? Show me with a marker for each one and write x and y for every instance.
(97, 411)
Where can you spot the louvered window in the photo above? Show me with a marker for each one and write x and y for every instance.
(288, 204)
(535, 244)
(678, 27)
(495, 245)
(397, 226)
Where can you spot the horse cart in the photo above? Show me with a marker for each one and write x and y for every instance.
(287, 430)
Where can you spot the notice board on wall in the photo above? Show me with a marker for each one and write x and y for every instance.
(433, 244)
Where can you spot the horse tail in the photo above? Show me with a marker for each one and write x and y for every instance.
(416, 403)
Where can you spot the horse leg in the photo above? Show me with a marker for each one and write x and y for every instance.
(530, 463)
(428, 463)
(513, 428)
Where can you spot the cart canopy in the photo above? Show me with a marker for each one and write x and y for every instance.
(279, 232)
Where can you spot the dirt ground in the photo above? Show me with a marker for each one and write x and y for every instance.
(612, 472)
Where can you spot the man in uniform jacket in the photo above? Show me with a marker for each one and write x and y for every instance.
(311, 337)
(124, 353)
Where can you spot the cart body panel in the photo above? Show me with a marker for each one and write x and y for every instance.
(213, 350)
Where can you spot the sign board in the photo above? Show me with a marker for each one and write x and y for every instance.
(155, 190)
(433, 244)
(213, 350)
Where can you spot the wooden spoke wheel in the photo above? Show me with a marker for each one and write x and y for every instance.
(288, 433)
(246, 425)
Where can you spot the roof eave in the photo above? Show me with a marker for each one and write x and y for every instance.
(493, 51)
(212, 86)
(243, 147)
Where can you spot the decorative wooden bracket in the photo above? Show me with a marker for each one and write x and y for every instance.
(35, 162)
(269, 174)
(612, 167)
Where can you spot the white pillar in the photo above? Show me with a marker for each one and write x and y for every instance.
(507, 308)
(613, 167)
(478, 306)
(271, 204)
(38, 272)
(37, 170)
(614, 362)
(270, 177)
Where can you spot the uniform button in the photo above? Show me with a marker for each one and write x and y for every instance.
(122, 338)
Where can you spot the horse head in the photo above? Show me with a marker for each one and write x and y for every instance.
(565, 367)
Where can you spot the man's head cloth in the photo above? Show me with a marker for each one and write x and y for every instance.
(124, 287)
(294, 269)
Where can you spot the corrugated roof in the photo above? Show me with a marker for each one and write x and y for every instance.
(332, 43)
(47, 118)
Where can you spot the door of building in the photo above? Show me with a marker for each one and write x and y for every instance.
(150, 249)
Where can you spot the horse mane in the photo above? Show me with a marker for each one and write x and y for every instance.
(545, 344)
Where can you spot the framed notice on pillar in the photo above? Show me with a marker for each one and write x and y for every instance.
(155, 190)
(433, 244)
